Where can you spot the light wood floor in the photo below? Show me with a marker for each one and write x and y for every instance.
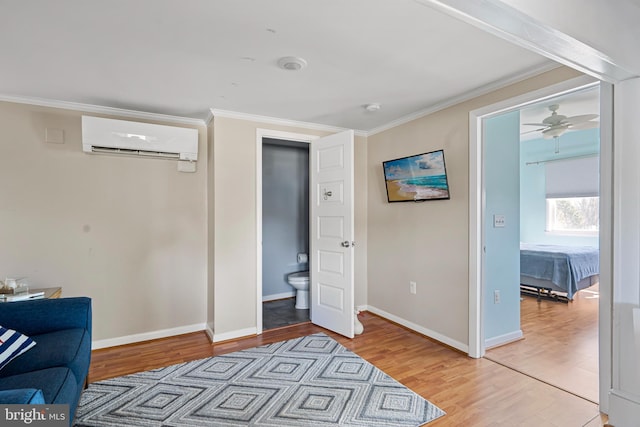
(560, 344)
(473, 392)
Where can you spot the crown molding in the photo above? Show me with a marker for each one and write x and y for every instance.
(281, 122)
(467, 96)
(209, 118)
(98, 109)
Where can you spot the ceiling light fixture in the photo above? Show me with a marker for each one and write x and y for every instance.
(554, 131)
(372, 108)
(292, 63)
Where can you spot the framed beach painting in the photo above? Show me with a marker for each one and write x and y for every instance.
(416, 178)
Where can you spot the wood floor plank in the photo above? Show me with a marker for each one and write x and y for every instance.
(473, 392)
(560, 344)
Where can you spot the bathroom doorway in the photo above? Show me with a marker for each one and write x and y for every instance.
(285, 230)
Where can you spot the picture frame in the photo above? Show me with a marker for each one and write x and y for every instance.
(417, 178)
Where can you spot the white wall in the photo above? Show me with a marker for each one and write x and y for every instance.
(210, 231)
(130, 233)
(625, 391)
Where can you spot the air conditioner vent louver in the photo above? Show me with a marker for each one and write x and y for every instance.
(121, 137)
(130, 152)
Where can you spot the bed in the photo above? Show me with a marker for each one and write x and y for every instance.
(557, 272)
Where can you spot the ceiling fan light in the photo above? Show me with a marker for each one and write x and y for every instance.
(553, 132)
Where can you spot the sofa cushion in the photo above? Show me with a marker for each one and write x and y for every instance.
(58, 385)
(24, 396)
(12, 345)
(58, 348)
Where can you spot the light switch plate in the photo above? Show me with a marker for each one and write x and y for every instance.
(498, 221)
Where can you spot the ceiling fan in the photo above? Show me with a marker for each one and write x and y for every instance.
(557, 124)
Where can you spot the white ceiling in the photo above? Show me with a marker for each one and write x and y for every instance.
(184, 57)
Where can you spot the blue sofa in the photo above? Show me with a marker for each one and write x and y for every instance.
(55, 369)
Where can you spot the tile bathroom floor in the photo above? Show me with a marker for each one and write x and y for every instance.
(282, 312)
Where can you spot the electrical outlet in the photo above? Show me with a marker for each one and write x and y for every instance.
(412, 287)
(496, 297)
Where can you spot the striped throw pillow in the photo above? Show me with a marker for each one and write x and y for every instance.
(12, 345)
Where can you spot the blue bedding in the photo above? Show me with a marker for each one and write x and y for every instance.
(564, 266)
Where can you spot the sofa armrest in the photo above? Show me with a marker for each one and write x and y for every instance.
(46, 315)
(29, 396)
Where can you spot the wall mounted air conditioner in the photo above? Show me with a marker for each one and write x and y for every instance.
(110, 136)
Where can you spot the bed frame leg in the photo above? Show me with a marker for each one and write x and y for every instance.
(542, 293)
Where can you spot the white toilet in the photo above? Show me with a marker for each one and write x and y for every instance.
(300, 281)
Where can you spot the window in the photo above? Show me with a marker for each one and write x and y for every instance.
(573, 215)
(572, 196)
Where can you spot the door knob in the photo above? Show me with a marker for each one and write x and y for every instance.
(345, 244)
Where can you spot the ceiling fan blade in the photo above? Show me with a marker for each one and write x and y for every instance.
(582, 118)
(585, 125)
(530, 131)
(534, 124)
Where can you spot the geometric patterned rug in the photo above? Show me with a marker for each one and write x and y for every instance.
(308, 381)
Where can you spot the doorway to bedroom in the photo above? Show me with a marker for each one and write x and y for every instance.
(558, 192)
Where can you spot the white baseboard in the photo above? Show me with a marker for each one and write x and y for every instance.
(281, 295)
(234, 334)
(163, 333)
(503, 339)
(145, 336)
(624, 409)
(421, 330)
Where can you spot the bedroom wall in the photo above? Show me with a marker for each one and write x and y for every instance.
(532, 185)
(502, 244)
(128, 232)
(429, 242)
(234, 222)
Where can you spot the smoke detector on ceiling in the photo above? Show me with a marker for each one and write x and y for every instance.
(292, 63)
(372, 108)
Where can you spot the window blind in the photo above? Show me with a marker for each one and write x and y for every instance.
(573, 178)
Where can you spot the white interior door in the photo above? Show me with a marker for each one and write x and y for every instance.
(331, 240)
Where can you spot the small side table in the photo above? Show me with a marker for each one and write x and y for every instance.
(49, 292)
